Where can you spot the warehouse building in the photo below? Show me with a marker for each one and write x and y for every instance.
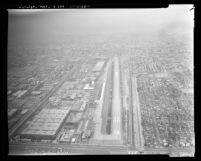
(46, 124)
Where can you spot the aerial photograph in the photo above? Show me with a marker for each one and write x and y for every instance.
(101, 81)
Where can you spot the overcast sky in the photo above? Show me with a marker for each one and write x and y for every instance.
(34, 24)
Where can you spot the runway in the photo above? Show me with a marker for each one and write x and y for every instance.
(116, 102)
(115, 136)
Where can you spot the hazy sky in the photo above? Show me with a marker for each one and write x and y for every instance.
(36, 24)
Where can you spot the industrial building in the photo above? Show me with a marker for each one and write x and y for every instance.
(46, 123)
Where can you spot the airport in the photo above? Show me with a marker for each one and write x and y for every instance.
(100, 82)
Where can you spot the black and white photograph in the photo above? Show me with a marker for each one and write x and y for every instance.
(101, 81)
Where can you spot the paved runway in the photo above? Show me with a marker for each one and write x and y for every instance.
(116, 102)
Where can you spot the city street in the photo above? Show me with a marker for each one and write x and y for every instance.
(70, 148)
(136, 117)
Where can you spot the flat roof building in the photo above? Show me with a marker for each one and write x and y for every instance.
(46, 123)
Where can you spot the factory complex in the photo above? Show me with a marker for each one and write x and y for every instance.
(46, 123)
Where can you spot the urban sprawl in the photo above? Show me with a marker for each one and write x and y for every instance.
(102, 96)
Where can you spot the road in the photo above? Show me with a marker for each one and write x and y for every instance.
(42, 102)
(29, 148)
(24, 148)
(131, 129)
(136, 116)
(135, 131)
